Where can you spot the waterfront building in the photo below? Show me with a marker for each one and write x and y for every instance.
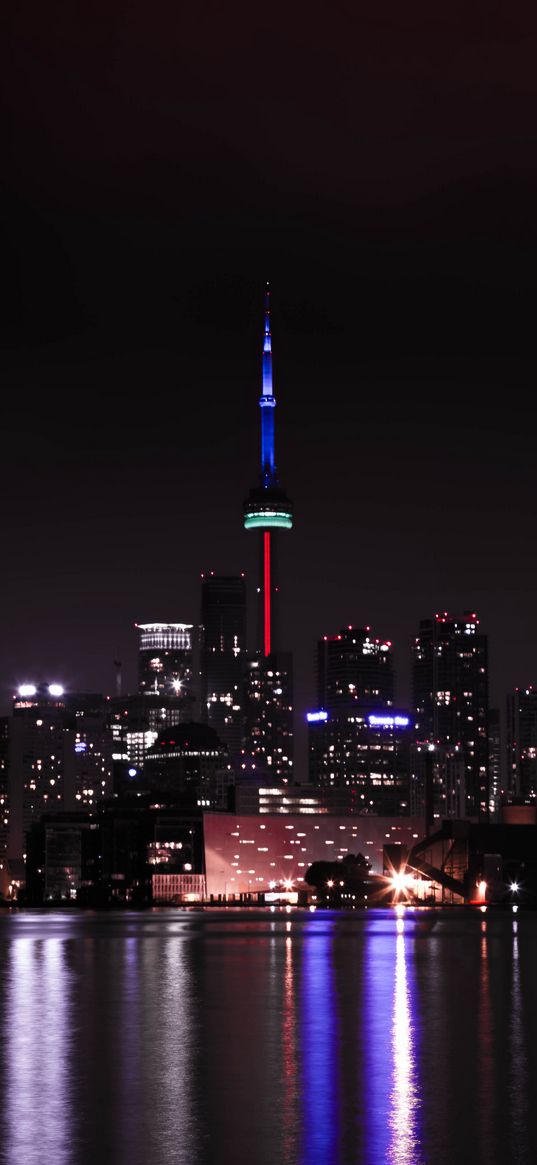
(450, 686)
(248, 855)
(110, 855)
(60, 755)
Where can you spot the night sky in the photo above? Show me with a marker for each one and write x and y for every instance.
(378, 165)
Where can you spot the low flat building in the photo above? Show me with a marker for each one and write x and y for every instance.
(249, 855)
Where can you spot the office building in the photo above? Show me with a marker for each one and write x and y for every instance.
(268, 725)
(365, 752)
(222, 656)
(450, 685)
(165, 665)
(354, 667)
(183, 764)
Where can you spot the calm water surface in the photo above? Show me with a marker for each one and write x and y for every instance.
(245, 1038)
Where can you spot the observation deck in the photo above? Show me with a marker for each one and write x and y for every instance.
(268, 509)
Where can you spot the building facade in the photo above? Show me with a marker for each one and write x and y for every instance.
(522, 744)
(354, 667)
(268, 704)
(222, 656)
(365, 752)
(450, 686)
(184, 762)
(165, 666)
(60, 755)
(252, 855)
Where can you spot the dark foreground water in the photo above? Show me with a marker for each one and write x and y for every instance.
(244, 1038)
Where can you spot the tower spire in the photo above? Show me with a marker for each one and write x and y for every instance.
(267, 404)
(267, 347)
(267, 508)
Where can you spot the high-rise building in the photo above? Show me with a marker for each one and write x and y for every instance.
(268, 726)
(135, 722)
(450, 683)
(222, 656)
(354, 667)
(60, 755)
(496, 766)
(268, 511)
(522, 744)
(4, 803)
(165, 659)
(437, 782)
(183, 763)
(365, 752)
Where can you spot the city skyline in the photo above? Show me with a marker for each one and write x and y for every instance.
(143, 223)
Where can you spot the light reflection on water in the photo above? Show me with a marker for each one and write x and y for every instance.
(38, 1043)
(319, 1045)
(249, 1038)
(404, 1148)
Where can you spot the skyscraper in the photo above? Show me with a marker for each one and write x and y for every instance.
(222, 656)
(60, 755)
(4, 803)
(522, 744)
(366, 753)
(354, 667)
(165, 659)
(450, 683)
(356, 740)
(268, 511)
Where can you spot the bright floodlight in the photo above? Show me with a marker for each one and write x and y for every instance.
(514, 887)
(55, 690)
(27, 690)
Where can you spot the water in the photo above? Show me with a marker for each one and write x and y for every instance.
(245, 1038)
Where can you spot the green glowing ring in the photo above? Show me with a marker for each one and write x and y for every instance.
(268, 519)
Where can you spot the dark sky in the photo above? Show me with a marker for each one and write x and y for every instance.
(159, 163)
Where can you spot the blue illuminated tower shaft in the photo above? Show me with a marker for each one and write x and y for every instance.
(267, 507)
(267, 404)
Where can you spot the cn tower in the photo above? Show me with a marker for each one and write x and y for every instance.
(267, 508)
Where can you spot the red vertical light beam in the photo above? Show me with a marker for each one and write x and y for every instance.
(266, 587)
